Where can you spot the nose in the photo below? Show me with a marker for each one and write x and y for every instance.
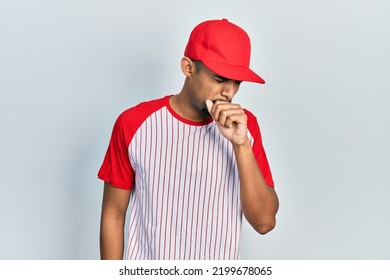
(230, 88)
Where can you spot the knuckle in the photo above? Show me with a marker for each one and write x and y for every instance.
(224, 114)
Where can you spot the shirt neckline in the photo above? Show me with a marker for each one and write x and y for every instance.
(180, 118)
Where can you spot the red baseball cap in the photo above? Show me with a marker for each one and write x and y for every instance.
(224, 48)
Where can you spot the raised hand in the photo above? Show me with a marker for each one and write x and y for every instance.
(231, 120)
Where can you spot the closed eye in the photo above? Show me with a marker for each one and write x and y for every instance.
(221, 79)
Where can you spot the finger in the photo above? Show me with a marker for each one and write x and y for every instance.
(223, 110)
(228, 117)
(235, 118)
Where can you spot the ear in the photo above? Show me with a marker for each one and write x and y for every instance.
(187, 67)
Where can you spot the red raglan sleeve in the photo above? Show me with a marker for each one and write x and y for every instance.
(258, 149)
(116, 168)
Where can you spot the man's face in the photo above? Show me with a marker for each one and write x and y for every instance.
(207, 85)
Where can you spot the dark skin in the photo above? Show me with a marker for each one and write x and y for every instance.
(202, 89)
(115, 202)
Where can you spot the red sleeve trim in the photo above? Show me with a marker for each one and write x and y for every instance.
(258, 149)
(116, 168)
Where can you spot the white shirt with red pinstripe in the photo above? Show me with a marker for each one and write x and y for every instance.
(184, 183)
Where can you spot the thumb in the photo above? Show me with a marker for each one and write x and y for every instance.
(209, 105)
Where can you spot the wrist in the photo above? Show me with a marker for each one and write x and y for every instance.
(246, 144)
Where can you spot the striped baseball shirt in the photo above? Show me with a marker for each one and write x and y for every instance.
(184, 183)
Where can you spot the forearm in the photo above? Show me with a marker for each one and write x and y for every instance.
(111, 237)
(259, 201)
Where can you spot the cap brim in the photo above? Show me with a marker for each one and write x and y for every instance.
(234, 72)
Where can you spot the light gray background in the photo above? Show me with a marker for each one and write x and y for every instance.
(68, 68)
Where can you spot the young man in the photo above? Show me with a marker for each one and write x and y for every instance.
(188, 165)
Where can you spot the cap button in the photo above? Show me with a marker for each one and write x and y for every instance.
(224, 19)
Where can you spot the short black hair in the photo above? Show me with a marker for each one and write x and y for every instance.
(198, 65)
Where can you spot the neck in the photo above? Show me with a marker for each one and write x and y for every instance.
(183, 106)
